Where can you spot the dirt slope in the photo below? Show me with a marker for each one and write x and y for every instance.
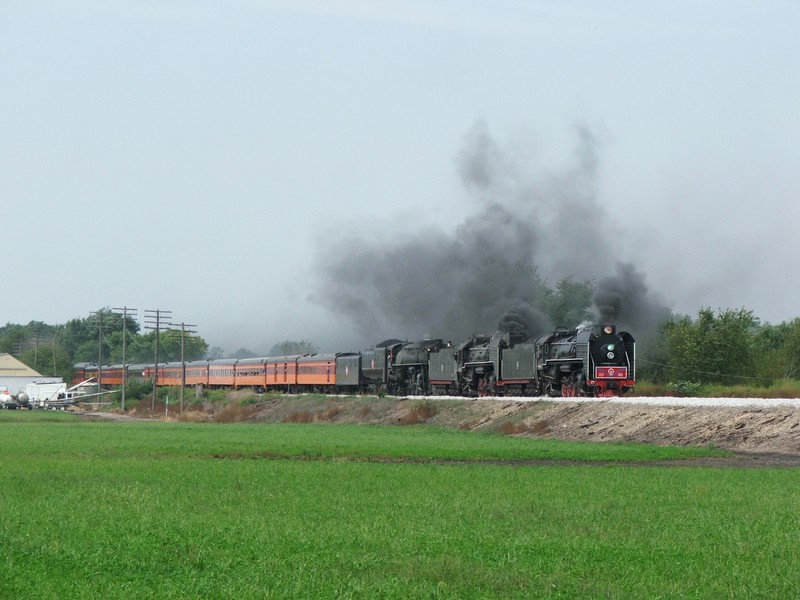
(748, 429)
(765, 430)
(771, 432)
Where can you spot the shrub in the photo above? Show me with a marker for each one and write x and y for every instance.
(684, 389)
(649, 388)
(235, 412)
(249, 400)
(303, 416)
(537, 428)
(509, 428)
(419, 413)
(136, 389)
(331, 413)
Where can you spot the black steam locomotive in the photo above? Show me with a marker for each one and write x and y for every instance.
(588, 361)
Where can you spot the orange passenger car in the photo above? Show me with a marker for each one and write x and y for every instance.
(170, 373)
(79, 372)
(112, 375)
(281, 371)
(251, 372)
(197, 373)
(222, 372)
(316, 370)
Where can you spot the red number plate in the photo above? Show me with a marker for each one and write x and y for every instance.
(611, 372)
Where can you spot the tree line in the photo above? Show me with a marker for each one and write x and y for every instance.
(727, 347)
(53, 350)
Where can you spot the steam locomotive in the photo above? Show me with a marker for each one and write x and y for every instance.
(587, 361)
(582, 362)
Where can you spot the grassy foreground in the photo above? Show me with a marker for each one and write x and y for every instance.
(176, 510)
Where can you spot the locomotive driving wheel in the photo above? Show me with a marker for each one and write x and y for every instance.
(550, 389)
(571, 386)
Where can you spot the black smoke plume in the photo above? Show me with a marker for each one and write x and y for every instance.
(624, 299)
(528, 228)
(523, 321)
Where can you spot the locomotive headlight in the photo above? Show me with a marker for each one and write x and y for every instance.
(610, 355)
(610, 347)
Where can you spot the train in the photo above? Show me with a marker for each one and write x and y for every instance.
(591, 360)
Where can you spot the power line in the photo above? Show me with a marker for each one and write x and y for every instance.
(699, 372)
(125, 311)
(153, 319)
(97, 318)
(184, 333)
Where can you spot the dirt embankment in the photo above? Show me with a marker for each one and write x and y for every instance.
(772, 433)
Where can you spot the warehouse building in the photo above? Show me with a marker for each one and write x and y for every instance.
(15, 375)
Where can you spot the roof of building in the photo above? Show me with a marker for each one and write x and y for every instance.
(11, 367)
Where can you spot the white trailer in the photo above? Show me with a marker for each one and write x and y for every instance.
(49, 395)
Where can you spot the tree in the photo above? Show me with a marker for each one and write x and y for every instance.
(195, 347)
(54, 349)
(714, 348)
(789, 356)
(78, 338)
(777, 350)
(214, 353)
(291, 347)
(653, 356)
(569, 303)
(12, 337)
(681, 348)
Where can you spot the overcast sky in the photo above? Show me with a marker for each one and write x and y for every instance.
(207, 157)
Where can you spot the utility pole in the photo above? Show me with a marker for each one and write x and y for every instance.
(184, 332)
(153, 320)
(125, 312)
(97, 317)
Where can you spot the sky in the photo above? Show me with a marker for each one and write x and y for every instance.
(330, 170)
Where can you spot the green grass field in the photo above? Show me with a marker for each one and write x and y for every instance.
(179, 510)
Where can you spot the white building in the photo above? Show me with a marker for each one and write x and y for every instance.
(15, 375)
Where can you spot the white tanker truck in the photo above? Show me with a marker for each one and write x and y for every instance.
(6, 400)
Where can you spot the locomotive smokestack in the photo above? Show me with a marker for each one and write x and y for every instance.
(523, 321)
(608, 302)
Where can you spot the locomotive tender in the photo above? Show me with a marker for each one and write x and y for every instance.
(587, 361)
